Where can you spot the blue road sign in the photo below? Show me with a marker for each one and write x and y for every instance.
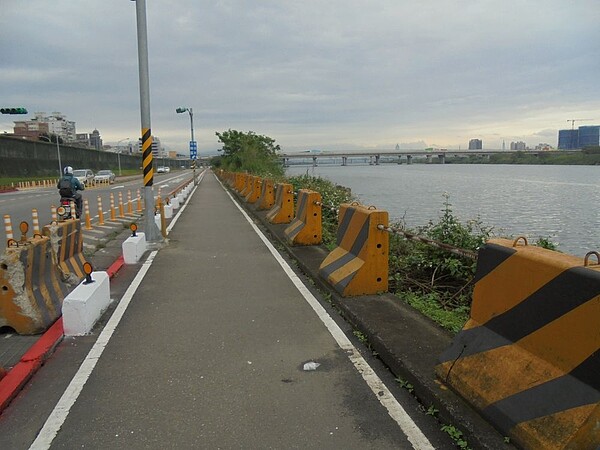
(193, 150)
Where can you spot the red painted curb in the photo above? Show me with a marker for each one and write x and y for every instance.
(29, 363)
(115, 267)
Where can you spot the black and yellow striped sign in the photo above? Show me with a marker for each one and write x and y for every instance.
(147, 157)
(306, 228)
(529, 357)
(359, 263)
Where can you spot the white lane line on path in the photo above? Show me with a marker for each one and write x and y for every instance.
(62, 408)
(60, 412)
(396, 411)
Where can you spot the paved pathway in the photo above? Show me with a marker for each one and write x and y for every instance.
(207, 348)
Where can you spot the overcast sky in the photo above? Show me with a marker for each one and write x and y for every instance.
(327, 74)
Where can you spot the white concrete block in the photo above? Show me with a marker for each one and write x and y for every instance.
(133, 248)
(157, 220)
(175, 202)
(168, 211)
(83, 307)
(181, 198)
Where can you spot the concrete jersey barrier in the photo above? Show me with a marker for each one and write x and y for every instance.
(529, 357)
(283, 209)
(306, 228)
(32, 289)
(359, 263)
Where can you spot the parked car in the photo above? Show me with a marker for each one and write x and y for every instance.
(105, 175)
(85, 176)
(163, 169)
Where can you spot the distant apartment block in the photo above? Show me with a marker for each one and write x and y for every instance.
(543, 147)
(584, 136)
(56, 123)
(519, 145)
(475, 144)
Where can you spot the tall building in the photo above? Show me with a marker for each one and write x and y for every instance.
(519, 145)
(589, 136)
(582, 137)
(475, 144)
(158, 150)
(96, 140)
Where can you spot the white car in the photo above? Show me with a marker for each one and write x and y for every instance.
(104, 176)
(163, 169)
(85, 176)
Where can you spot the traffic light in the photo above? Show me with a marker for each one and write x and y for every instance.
(13, 111)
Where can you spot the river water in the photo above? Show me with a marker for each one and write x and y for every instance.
(555, 202)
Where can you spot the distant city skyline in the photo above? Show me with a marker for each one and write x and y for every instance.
(333, 75)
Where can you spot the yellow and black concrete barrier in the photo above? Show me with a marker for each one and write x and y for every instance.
(306, 228)
(240, 181)
(529, 357)
(67, 245)
(359, 263)
(267, 196)
(248, 186)
(283, 209)
(31, 288)
(254, 191)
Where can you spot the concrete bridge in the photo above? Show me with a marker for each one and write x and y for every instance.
(375, 157)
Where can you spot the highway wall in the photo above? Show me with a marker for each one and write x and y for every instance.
(20, 157)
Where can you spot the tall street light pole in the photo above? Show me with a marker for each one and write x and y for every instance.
(57, 152)
(119, 153)
(193, 145)
(150, 229)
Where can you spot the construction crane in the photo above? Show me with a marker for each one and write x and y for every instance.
(575, 120)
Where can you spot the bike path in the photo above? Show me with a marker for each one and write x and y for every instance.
(210, 353)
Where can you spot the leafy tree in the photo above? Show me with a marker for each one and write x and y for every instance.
(250, 152)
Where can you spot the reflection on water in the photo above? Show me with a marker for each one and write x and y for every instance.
(558, 202)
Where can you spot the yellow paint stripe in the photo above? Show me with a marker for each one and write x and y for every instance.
(335, 254)
(346, 270)
(575, 428)
(554, 342)
(505, 287)
(356, 223)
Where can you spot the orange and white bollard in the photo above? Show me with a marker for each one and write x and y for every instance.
(139, 201)
(8, 228)
(88, 220)
(73, 210)
(121, 212)
(54, 214)
(100, 213)
(129, 204)
(35, 221)
(113, 216)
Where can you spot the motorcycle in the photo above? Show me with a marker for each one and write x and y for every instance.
(66, 209)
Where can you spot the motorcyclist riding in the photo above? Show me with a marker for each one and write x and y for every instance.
(68, 186)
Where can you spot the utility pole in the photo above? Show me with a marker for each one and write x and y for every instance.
(150, 229)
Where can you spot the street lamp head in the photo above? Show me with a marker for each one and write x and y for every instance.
(181, 110)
